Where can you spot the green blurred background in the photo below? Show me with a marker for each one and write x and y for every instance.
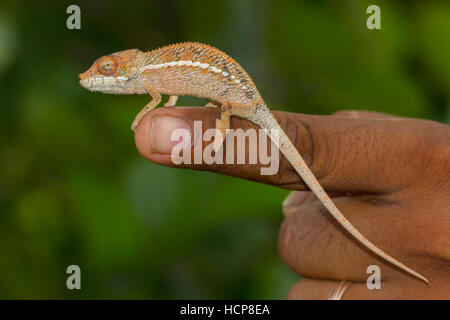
(74, 190)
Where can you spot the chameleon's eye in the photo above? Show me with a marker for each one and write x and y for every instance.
(107, 66)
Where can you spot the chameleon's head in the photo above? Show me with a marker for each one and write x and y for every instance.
(115, 73)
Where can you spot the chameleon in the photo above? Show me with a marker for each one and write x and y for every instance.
(200, 70)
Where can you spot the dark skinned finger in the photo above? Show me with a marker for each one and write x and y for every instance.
(346, 154)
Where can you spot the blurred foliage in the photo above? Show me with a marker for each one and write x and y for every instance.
(73, 189)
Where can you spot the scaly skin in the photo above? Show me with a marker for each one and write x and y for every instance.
(199, 70)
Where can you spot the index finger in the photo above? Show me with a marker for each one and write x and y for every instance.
(346, 154)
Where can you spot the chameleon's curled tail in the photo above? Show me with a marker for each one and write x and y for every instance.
(269, 124)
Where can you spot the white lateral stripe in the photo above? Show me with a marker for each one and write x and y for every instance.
(184, 63)
(214, 69)
(189, 63)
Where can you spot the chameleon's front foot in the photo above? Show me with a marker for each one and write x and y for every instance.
(156, 99)
(135, 123)
(150, 106)
(211, 105)
(171, 102)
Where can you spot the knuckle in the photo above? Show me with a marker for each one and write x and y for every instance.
(286, 240)
(295, 292)
(346, 113)
(301, 135)
(440, 152)
(293, 239)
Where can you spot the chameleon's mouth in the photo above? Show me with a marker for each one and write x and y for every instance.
(104, 84)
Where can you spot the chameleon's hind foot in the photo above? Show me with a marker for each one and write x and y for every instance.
(222, 125)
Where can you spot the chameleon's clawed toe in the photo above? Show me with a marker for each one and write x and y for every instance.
(217, 145)
(171, 102)
(211, 105)
(135, 124)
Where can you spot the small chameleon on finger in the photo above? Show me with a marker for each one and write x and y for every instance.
(194, 69)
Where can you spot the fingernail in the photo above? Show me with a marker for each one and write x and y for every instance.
(161, 134)
(296, 198)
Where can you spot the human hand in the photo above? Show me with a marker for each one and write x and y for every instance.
(388, 175)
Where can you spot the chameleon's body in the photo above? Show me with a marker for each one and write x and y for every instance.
(199, 70)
